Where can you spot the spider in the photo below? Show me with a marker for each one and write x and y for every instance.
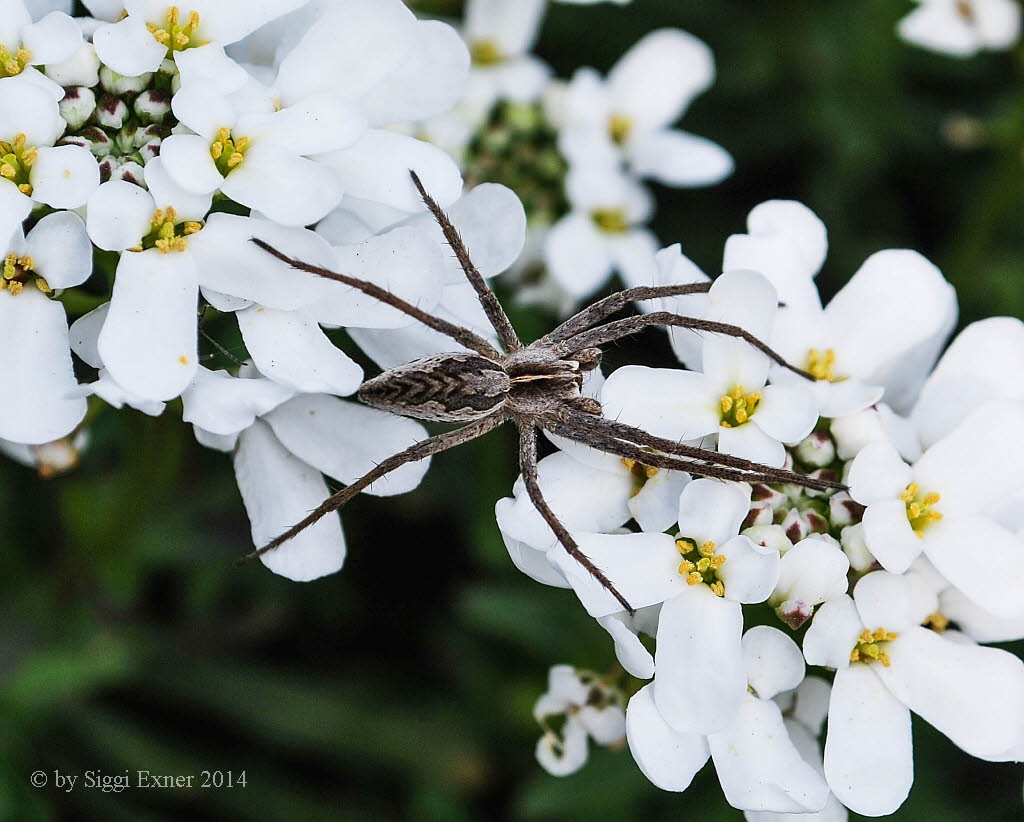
(536, 386)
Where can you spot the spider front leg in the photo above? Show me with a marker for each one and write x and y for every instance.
(593, 314)
(414, 453)
(528, 467)
(631, 325)
(492, 308)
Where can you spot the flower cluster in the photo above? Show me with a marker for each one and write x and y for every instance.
(578, 151)
(142, 148)
(963, 28)
(888, 591)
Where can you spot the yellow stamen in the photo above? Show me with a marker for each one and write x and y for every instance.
(486, 53)
(920, 508)
(691, 579)
(610, 220)
(737, 407)
(870, 646)
(619, 127)
(228, 152)
(820, 365)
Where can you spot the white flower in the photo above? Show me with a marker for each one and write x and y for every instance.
(887, 666)
(946, 501)
(589, 707)
(631, 112)
(279, 460)
(603, 232)
(149, 338)
(393, 68)
(730, 398)
(880, 333)
(33, 170)
(193, 34)
(981, 364)
(258, 156)
(962, 28)
(702, 578)
(811, 572)
(42, 400)
(23, 44)
(758, 765)
(500, 35)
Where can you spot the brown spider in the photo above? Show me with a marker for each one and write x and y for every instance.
(537, 386)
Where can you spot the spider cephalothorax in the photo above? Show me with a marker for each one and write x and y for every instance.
(536, 386)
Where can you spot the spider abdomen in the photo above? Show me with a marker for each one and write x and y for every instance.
(442, 388)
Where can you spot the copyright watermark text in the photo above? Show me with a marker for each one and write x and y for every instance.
(141, 779)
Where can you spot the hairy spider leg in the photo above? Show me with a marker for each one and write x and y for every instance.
(528, 467)
(414, 453)
(463, 336)
(618, 329)
(593, 314)
(639, 437)
(627, 450)
(492, 308)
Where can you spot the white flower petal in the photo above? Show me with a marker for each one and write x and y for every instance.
(999, 551)
(642, 567)
(167, 193)
(787, 412)
(84, 335)
(128, 48)
(429, 81)
(279, 490)
(772, 660)
(750, 571)
(811, 572)
(188, 161)
(208, 65)
(576, 255)
(119, 215)
(833, 633)
(977, 622)
(890, 537)
(936, 27)
(583, 499)
(42, 401)
(980, 364)
(668, 758)
(869, 758)
(879, 339)
(60, 249)
(148, 341)
(204, 109)
(53, 39)
(712, 511)
(656, 79)
(529, 560)
(883, 601)
(313, 125)
(787, 243)
(750, 442)
(629, 650)
(699, 653)
(655, 507)
(14, 207)
(633, 256)
(290, 348)
(670, 403)
(229, 263)
(759, 767)
(512, 26)
(404, 261)
(677, 158)
(878, 473)
(561, 757)
(930, 675)
(65, 176)
(224, 405)
(377, 168)
(26, 108)
(345, 440)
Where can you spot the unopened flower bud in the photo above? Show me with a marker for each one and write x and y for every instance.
(81, 69)
(814, 571)
(844, 510)
(758, 515)
(98, 142)
(111, 111)
(765, 494)
(855, 548)
(152, 106)
(131, 172)
(77, 106)
(150, 149)
(816, 450)
(769, 536)
(115, 83)
(799, 524)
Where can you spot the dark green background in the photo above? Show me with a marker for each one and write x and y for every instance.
(401, 688)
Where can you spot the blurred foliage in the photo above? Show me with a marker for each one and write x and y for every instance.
(402, 687)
